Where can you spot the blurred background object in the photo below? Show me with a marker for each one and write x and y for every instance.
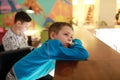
(7, 6)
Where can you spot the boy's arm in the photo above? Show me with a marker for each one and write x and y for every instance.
(77, 51)
(55, 50)
(8, 43)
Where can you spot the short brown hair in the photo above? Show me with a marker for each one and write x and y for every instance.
(22, 16)
(56, 27)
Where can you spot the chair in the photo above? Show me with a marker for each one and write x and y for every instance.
(9, 58)
(1, 47)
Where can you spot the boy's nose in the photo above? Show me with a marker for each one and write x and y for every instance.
(69, 39)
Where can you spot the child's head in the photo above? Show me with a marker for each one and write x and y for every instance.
(22, 21)
(62, 31)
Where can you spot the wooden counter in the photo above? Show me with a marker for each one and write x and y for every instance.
(103, 63)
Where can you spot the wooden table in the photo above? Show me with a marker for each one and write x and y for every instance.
(103, 63)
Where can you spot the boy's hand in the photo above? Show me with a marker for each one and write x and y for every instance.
(76, 41)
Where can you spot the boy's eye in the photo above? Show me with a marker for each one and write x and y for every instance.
(66, 34)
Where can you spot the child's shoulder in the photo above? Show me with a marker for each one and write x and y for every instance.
(54, 41)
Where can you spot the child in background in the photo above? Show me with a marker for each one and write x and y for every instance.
(117, 17)
(41, 61)
(14, 37)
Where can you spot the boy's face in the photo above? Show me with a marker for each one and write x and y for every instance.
(64, 35)
(22, 26)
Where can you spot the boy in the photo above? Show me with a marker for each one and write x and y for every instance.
(14, 37)
(60, 46)
(117, 17)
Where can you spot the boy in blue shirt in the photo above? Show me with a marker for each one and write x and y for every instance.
(60, 46)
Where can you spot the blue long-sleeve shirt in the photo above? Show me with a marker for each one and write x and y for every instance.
(41, 61)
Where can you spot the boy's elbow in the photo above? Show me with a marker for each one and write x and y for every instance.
(85, 56)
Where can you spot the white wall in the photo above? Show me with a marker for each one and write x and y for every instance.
(104, 10)
(107, 10)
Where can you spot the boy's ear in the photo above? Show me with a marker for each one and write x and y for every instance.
(52, 35)
(18, 22)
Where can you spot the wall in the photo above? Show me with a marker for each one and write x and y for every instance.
(50, 11)
(107, 11)
(104, 10)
